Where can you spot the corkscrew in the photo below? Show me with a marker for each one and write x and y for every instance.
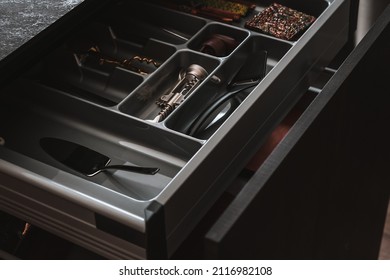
(139, 64)
(189, 80)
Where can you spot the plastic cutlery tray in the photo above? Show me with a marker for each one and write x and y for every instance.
(98, 84)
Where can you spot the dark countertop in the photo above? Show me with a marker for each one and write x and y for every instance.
(20, 20)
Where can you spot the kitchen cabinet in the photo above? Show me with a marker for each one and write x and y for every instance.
(133, 81)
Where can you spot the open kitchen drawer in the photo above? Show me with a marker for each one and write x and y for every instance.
(323, 192)
(135, 81)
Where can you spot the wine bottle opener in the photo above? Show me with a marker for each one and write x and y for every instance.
(189, 80)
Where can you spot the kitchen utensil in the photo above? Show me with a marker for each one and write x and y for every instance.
(85, 160)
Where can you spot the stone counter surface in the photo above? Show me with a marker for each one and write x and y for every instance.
(20, 20)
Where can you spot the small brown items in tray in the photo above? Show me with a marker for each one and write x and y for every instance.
(221, 10)
(227, 6)
(280, 21)
(139, 64)
(219, 45)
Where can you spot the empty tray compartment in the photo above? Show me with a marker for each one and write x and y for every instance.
(136, 19)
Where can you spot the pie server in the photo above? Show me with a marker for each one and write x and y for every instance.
(85, 160)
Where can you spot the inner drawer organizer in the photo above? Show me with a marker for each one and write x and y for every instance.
(183, 87)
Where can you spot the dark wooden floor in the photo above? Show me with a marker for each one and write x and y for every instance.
(385, 247)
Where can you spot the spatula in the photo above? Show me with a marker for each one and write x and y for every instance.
(85, 160)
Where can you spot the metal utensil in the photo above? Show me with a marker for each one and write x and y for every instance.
(85, 160)
(189, 79)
